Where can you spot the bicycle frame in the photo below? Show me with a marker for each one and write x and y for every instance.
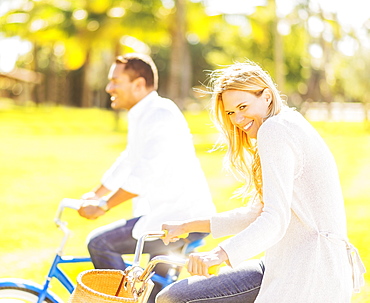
(56, 272)
(43, 292)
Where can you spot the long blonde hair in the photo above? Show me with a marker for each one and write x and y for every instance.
(242, 156)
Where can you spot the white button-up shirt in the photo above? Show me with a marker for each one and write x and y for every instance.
(160, 166)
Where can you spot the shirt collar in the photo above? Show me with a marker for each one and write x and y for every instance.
(138, 107)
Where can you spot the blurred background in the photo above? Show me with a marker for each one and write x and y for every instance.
(59, 51)
(58, 133)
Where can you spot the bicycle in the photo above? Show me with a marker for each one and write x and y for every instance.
(20, 290)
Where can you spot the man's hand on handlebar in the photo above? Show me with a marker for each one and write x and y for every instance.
(90, 210)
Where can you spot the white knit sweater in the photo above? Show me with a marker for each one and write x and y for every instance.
(301, 226)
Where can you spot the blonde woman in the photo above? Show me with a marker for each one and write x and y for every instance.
(296, 214)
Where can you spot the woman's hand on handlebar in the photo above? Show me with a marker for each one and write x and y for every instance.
(173, 231)
(176, 229)
(207, 263)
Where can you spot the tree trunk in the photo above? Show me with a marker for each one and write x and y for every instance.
(86, 92)
(179, 82)
(278, 52)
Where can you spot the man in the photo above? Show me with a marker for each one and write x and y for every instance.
(158, 170)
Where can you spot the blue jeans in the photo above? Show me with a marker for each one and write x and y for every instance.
(108, 243)
(239, 285)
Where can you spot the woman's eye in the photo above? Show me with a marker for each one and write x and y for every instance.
(229, 113)
(241, 107)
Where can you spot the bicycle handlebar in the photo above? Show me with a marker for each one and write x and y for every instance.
(76, 204)
(67, 203)
(213, 270)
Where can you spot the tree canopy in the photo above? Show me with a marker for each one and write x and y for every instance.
(310, 54)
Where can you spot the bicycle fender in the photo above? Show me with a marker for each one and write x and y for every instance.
(16, 282)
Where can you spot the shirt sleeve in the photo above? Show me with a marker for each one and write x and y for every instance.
(241, 217)
(278, 160)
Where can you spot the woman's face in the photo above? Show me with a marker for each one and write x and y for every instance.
(245, 110)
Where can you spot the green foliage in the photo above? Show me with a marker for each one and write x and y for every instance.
(50, 153)
(88, 34)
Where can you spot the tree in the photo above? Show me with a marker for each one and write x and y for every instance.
(75, 42)
(180, 66)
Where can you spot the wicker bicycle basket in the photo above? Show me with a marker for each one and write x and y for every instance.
(102, 286)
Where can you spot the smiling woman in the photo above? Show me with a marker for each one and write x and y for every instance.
(244, 97)
(295, 213)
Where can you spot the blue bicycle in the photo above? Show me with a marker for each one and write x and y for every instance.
(14, 290)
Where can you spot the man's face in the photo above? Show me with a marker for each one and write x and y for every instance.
(120, 87)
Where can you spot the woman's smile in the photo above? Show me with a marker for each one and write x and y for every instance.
(248, 126)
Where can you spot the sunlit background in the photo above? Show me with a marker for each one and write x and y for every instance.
(58, 134)
(58, 51)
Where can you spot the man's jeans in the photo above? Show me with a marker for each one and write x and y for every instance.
(239, 285)
(108, 243)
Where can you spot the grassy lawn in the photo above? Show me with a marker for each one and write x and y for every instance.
(50, 153)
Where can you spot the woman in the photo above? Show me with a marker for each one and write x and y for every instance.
(296, 214)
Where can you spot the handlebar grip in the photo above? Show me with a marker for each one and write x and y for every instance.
(72, 203)
(214, 270)
(183, 236)
(67, 203)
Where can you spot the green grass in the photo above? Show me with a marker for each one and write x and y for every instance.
(49, 153)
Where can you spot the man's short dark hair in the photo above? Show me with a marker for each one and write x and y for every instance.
(140, 65)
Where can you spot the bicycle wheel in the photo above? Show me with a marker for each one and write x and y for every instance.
(14, 294)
